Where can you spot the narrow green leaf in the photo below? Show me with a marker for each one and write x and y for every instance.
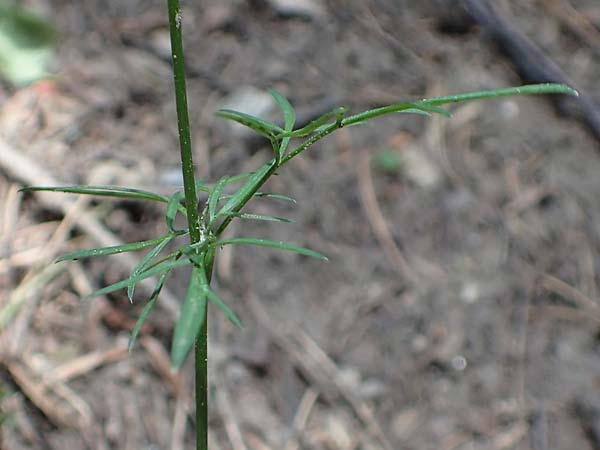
(248, 216)
(273, 244)
(147, 309)
(105, 251)
(102, 191)
(275, 196)
(223, 307)
(238, 178)
(289, 115)
(213, 200)
(289, 118)
(142, 276)
(534, 89)
(173, 206)
(319, 134)
(193, 315)
(531, 89)
(260, 126)
(196, 256)
(313, 126)
(265, 195)
(145, 262)
(428, 109)
(417, 111)
(247, 189)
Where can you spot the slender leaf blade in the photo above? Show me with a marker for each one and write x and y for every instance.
(246, 190)
(145, 262)
(428, 109)
(260, 126)
(142, 276)
(173, 206)
(223, 307)
(102, 191)
(533, 89)
(272, 244)
(250, 216)
(213, 200)
(113, 250)
(191, 318)
(289, 118)
(275, 196)
(146, 311)
(313, 126)
(289, 114)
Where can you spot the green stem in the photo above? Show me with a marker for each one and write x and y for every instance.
(201, 369)
(189, 187)
(183, 123)
(251, 189)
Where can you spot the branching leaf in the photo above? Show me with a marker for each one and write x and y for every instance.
(142, 276)
(145, 262)
(193, 315)
(102, 191)
(223, 307)
(273, 244)
(260, 126)
(105, 251)
(146, 311)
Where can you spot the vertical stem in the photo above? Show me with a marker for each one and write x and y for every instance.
(183, 123)
(201, 376)
(189, 186)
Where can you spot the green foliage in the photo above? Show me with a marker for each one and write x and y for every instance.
(388, 161)
(26, 44)
(193, 315)
(221, 208)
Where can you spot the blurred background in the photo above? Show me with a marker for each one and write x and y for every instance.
(459, 308)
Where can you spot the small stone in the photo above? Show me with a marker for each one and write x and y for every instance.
(372, 389)
(459, 363)
(248, 100)
(307, 9)
(160, 41)
(349, 377)
(470, 292)
(420, 169)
